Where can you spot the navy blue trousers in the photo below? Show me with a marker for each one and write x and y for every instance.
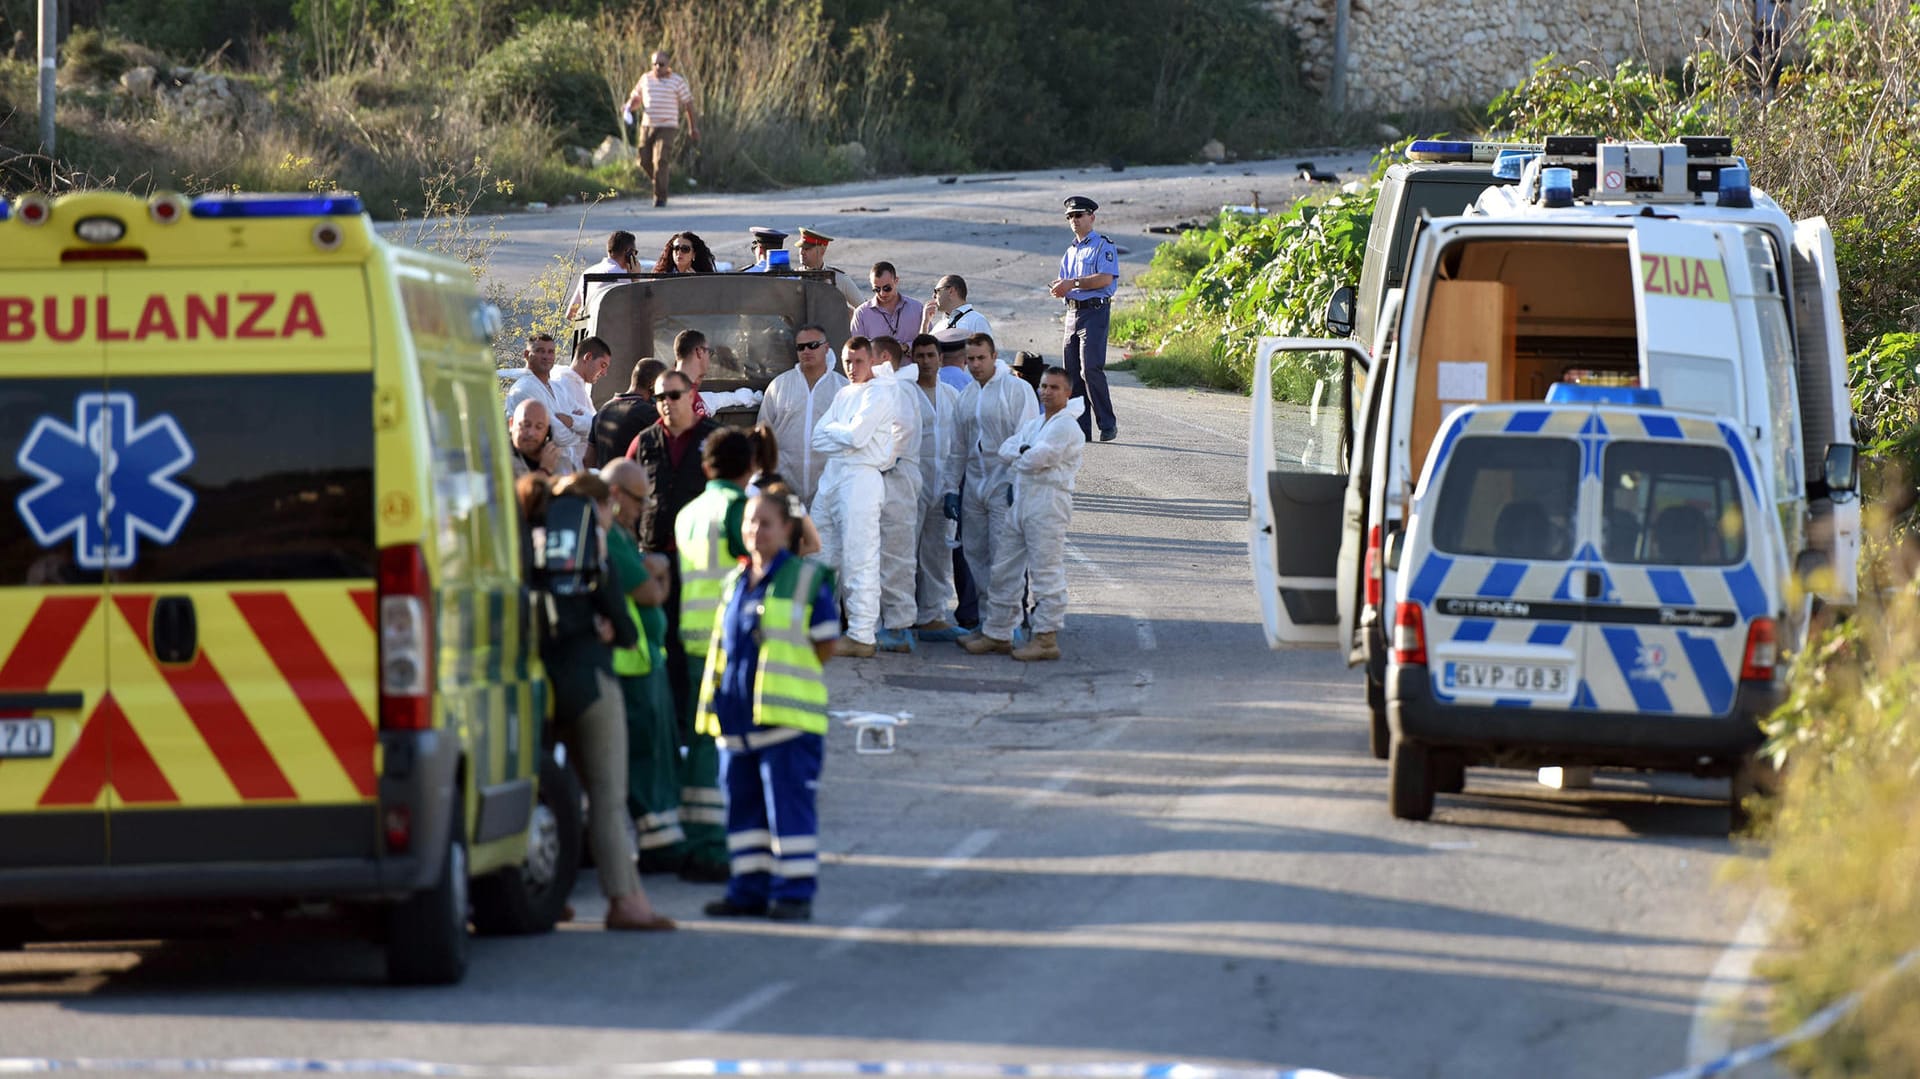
(773, 824)
(1085, 358)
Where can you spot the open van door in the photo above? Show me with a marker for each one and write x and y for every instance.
(1297, 484)
(1826, 410)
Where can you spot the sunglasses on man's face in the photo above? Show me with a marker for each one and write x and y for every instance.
(1076, 215)
(883, 289)
(808, 346)
(672, 395)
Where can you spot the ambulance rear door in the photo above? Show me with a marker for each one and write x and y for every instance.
(241, 614)
(59, 727)
(1689, 336)
(1826, 408)
(1297, 463)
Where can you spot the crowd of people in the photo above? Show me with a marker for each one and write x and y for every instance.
(912, 490)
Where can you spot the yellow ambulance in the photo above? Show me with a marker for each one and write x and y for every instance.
(264, 642)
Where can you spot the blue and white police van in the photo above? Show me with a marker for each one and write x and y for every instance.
(1592, 580)
(1640, 264)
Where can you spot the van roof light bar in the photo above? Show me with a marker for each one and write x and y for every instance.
(252, 204)
(1646, 172)
(1443, 150)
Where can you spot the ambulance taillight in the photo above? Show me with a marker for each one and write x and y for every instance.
(406, 640)
(1409, 635)
(1763, 650)
(1371, 571)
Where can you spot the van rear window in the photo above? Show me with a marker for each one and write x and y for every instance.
(1671, 505)
(213, 478)
(1506, 497)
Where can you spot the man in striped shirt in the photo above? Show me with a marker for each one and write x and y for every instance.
(661, 95)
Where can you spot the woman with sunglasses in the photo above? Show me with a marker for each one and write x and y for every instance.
(684, 252)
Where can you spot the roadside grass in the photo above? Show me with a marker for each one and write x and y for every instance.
(1843, 833)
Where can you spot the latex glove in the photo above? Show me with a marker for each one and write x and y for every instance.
(626, 117)
(950, 507)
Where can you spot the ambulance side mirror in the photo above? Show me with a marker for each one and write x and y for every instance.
(1842, 472)
(1340, 312)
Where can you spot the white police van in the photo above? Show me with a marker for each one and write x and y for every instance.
(1622, 263)
(1584, 582)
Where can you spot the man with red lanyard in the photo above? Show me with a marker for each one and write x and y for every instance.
(670, 452)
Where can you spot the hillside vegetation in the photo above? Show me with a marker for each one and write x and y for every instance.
(504, 100)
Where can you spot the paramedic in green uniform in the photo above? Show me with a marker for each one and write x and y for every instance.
(653, 743)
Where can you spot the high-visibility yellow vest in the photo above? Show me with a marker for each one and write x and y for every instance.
(635, 662)
(788, 688)
(700, 531)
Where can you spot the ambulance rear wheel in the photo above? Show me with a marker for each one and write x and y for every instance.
(529, 898)
(1410, 781)
(427, 932)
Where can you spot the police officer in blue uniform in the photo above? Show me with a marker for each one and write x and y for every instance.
(1089, 275)
(770, 252)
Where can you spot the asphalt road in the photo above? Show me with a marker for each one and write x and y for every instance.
(1171, 846)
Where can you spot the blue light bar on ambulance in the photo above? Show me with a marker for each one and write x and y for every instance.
(1570, 393)
(1736, 190)
(1511, 163)
(1556, 187)
(1449, 150)
(266, 205)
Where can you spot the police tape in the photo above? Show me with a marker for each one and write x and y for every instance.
(1813, 1027)
(913, 1069)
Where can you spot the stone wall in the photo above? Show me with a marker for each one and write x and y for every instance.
(1405, 55)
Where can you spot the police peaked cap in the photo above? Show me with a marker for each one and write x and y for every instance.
(1080, 204)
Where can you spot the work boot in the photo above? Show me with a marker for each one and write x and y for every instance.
(979, 644)
(847, 646)
(1043, 646)
(895, 640)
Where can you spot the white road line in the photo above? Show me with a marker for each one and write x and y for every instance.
(963, 851)
(862, 928)
(1712, 1033)
(740, 1009)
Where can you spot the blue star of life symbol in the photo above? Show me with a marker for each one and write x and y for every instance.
(105, 481)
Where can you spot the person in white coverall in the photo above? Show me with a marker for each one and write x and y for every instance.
(795, 401)
(991, 410)
(900, 514)
(1044, 455)
(857, 436)
(933, 584)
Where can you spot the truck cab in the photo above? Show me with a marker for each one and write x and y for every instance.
(1607, 263)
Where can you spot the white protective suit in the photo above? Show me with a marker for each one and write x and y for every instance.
(1045, 457)
(792, 408)
(988, 416)
(933, 591)
(900, 514)
(856, 434)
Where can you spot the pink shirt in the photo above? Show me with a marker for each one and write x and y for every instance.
(662, 99)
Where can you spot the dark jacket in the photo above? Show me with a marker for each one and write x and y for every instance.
(618, 421)
(673, 485)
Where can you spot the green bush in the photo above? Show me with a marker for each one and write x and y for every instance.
(545, 67)
(1252, 277)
